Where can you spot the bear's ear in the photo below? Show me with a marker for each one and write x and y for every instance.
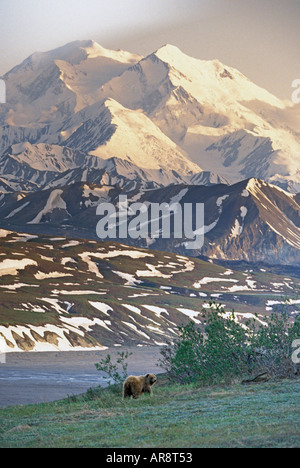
(147, 376)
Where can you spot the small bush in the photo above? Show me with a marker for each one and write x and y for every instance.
(273, 344)
(224, 349)
(112, 370)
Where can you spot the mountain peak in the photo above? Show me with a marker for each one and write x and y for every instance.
(169, 53)
(169, 48)
(74, 53)
(94, 50)
(253, 184)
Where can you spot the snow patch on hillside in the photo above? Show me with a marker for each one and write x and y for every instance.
(11, 266)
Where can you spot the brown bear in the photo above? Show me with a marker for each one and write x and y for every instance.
(134, 386)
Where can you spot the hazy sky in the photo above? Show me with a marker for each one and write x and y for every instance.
(259, 37)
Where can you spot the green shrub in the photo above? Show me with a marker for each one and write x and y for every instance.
(112, 370)
(273, 344)
(223, 349)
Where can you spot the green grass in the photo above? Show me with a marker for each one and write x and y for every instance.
(266, 415)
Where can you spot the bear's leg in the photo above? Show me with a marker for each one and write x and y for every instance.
(127, 391)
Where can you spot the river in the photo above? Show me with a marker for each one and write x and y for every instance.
(28, 378)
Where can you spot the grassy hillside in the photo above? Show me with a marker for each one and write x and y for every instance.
(265, 415)
(62, 294)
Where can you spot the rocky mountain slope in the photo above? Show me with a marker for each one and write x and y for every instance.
(252, 220)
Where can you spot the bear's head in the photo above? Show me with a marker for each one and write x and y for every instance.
(150, 379)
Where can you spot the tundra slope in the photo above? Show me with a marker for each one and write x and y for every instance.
(60, 294)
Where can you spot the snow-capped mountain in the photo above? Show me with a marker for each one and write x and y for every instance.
(31, 166)
(223, 121)
(39, 163)
(51, 85)
(129, 135)
(164, 112)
